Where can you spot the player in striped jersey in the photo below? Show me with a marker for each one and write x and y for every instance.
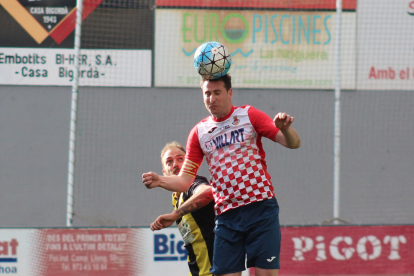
(193, 213)
(247, 212)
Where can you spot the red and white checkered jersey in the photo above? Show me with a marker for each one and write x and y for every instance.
(233, 150)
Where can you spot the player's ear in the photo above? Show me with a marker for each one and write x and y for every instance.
(230, 93)
(163, 172)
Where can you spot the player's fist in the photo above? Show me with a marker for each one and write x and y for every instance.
(164, 221)
(150, 179)
(283, 121)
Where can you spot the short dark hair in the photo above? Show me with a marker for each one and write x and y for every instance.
(226, 79)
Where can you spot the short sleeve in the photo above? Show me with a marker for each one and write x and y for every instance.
(194, 155)
(200, 180)
(193, 149)
(262, 123)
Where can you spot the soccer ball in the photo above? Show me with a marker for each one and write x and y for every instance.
(212, 60)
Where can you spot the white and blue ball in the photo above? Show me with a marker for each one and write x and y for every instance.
(212, 60)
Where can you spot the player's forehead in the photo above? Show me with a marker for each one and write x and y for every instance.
(210, 86)
(173, 153)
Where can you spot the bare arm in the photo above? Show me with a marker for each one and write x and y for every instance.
(174, 183)
(287, 136)
(202, 196)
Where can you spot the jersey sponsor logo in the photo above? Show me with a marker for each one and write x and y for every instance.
(227, 139)
(185, 231)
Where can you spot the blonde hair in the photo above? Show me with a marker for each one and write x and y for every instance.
(168, 146)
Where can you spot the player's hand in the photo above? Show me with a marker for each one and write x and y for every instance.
(163, 221)
(283, 121)
(151, 180)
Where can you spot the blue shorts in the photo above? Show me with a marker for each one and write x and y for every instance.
(251, 230)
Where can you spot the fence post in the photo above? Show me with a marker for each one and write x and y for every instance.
(73, 113)
(337, 121)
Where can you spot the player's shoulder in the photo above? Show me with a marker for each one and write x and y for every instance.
(201, 180)
(203, 126)
(244, 108)
(199, 124)
(204, 121)
(247, 106)
(252, 111)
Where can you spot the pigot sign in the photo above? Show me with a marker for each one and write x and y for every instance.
(306, 244)
(347, 250)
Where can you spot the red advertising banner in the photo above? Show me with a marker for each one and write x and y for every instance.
(347, 250)
(272, 4)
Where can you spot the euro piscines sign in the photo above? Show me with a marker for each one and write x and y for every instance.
(286, 46)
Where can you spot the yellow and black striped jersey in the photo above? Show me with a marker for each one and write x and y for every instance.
(197, 230)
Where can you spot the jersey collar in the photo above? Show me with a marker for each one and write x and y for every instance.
(225, 117)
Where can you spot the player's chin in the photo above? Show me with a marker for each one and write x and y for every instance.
(170, 173)
(213, 111)
(173, 173)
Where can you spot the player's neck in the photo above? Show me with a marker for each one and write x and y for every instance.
(224, 115)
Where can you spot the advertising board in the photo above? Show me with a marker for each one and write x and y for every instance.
(37, 40)
(40, 66)
(385, 45)
(269, 48)
(329, 250)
